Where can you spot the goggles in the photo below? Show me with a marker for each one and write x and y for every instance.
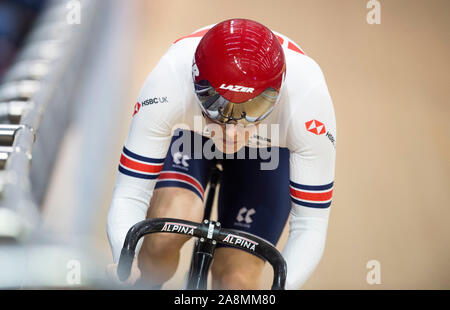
(223, 111)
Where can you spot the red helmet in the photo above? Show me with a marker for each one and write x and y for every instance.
(238, 71)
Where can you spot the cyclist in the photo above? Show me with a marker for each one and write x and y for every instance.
(252, 89)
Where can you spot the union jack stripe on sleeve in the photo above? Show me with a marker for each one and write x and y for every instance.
(138, 166)
(313, 196)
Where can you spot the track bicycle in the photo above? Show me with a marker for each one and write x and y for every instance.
(208, 234)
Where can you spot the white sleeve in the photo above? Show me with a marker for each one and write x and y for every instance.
(159, 107)
(311, 140)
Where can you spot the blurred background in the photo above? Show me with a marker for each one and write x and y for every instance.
(70, 72)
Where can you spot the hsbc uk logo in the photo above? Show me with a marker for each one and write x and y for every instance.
(146, 102)
(318, 128)
(137, 107)
(243, 218)
(331, 138)
(154, 100)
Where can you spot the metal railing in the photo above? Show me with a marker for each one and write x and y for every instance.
(35, 109)
(38, 95)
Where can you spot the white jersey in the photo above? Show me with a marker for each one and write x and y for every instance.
(303, 121)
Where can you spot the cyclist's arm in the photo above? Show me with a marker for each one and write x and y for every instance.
(144, 152)
(312, 163)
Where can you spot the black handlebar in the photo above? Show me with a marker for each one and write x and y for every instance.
(208, 230)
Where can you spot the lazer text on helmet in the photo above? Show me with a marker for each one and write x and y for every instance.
(237, 88)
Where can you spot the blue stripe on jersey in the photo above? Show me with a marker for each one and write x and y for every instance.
(311, 204)
(311, 187)
(138, 175)
(170, 183)
(142, 158)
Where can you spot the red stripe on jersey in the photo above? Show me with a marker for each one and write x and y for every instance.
(280, 39)
(182, 177)
(292, 46)
(200, 33)
(141, 167)
(325, 196)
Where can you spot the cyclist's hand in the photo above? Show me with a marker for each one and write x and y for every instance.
(135, 274)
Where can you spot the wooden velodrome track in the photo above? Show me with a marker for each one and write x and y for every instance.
(390, 88)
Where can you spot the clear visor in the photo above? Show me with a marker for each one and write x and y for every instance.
(220, 110)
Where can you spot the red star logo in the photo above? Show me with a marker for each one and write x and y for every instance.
(137, 106)
(315, 127)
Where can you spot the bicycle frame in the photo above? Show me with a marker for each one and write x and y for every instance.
(203, 251)
(201, 260)
(209, 233)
